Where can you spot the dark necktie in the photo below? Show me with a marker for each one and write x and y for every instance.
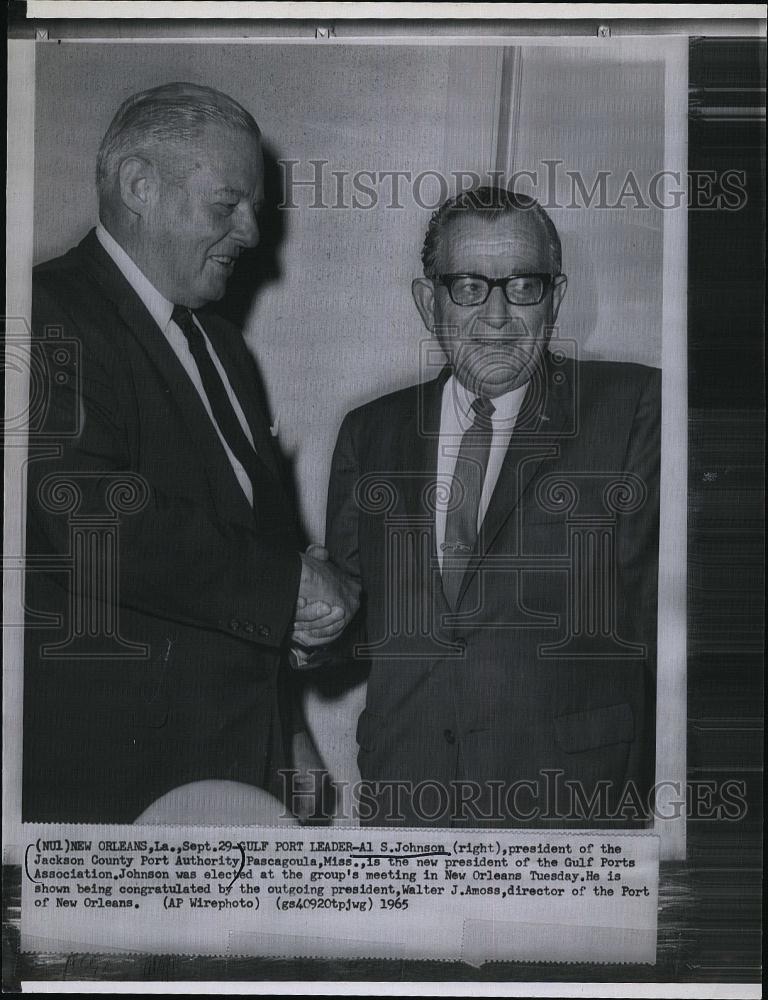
(224, 414)
(466, 490)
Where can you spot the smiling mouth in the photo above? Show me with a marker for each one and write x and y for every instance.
(223, 260)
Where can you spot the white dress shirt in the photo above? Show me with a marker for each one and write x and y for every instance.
(160, 310)
(456, 417)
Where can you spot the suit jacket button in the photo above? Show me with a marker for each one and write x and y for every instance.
(450, 736)
(264, 632)
(234, 624)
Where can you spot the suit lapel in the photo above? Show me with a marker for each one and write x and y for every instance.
(414, 451)
(407, 461)
(228, 495)
(546, 411)
(246, 388)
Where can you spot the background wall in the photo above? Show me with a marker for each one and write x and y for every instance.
(597, 111)
(325, 302)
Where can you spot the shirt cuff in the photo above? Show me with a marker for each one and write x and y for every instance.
(299, 659)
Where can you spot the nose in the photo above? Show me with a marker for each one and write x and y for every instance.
(496, 312)
(246, 231)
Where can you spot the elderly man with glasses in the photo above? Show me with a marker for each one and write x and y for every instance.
(502, 520)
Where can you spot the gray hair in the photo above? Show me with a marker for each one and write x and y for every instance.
(490, 203)
(172, 114)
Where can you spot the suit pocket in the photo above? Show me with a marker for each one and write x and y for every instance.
(369, 729)
(597, 727)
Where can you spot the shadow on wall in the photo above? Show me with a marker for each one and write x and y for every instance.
(255, 269)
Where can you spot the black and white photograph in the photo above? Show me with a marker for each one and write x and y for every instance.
(383, 500)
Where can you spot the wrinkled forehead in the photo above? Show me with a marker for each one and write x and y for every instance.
(515, 240)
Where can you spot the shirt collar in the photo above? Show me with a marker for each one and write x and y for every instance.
(506, 406)
(157, 305)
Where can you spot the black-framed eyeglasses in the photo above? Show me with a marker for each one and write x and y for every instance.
(474, 289)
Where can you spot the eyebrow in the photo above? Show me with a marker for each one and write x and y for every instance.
(231, 192)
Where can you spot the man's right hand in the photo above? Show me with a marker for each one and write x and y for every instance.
(328, 600)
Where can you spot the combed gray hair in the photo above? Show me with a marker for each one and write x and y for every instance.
(172, 114)
(490, 203)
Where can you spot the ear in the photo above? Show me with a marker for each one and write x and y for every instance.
(423, 291)
(138, 182)
(561, 284)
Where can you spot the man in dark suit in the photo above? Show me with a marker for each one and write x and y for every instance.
(502, 520)
(164, 578)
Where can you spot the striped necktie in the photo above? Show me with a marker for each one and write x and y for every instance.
(464, 503)
(265, 502)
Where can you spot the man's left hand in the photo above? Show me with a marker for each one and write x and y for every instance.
(317, 623)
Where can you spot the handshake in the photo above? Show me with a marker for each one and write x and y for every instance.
(327, 603)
